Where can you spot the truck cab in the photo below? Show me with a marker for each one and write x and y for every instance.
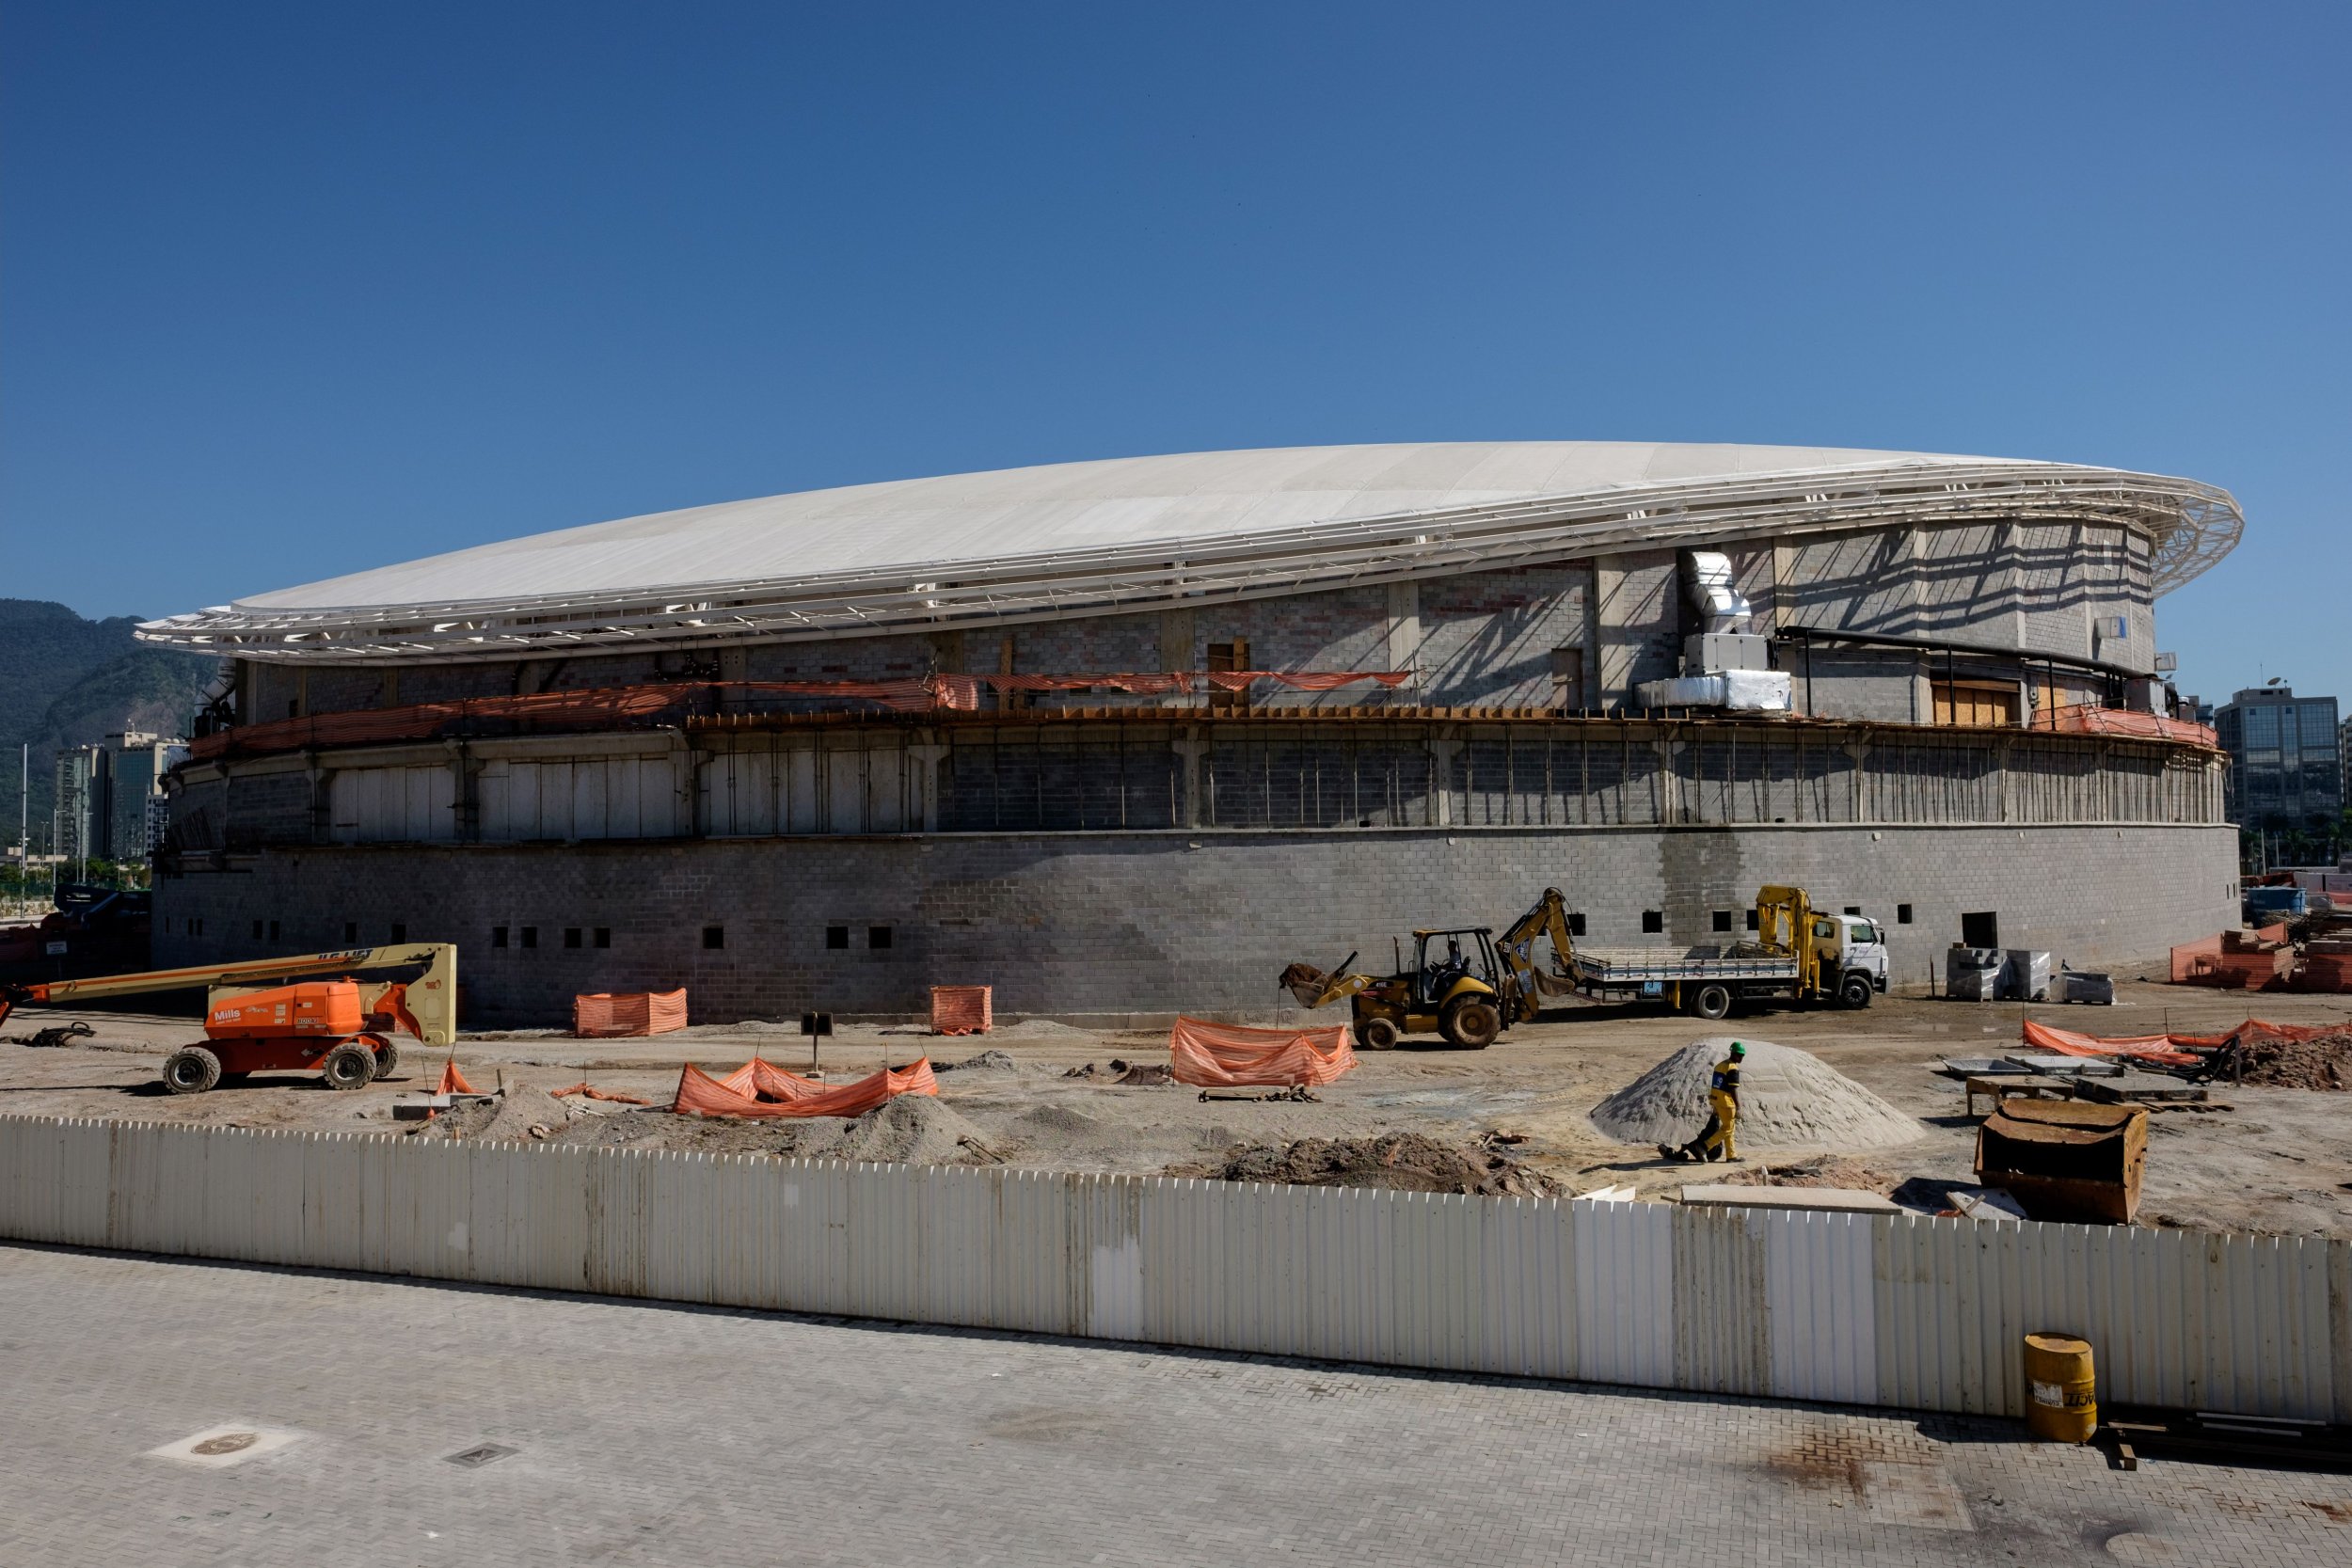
(1852, 949)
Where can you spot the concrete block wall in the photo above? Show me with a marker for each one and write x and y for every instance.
(1155, 923)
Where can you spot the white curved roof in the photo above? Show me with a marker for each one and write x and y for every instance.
(1082, 538)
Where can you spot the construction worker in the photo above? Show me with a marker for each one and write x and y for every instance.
(1723, 1104)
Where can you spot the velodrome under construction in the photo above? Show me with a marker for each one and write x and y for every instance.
(1121, 737)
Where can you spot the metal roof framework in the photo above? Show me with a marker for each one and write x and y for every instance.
(2189, 526)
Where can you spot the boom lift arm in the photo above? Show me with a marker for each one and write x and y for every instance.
(416, 982)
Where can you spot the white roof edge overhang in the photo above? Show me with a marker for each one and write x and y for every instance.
(2190, 524)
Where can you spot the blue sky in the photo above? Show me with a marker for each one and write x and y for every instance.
(288, 291)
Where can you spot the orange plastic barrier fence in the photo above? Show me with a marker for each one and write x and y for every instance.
(608, 1015)
(2200, 962)
(1225, 1056)
(757, 1089)
(962, 1009)
(2162, 1048)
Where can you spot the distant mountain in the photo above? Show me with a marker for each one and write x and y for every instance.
(65, 681)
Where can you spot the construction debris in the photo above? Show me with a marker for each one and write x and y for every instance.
(1395, 1162)
(55, 1036)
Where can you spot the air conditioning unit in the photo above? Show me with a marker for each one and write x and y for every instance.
(2112, 628)
(2168, 663)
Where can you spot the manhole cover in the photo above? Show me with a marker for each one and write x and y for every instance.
(230, 1443)
(482, 1454)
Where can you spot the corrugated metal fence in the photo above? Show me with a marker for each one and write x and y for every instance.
(1870, 1310)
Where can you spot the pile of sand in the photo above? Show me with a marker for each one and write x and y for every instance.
(1789, 1099)
(1398, 1162)
(987, 1061)
(509, 1118)
(910, 1129)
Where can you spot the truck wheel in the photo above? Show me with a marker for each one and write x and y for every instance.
(1471, 1024)
(191, 1070)
(1854, 992)
(387, 1054)
(1710, 1001)
(1376, 1033)
(349, 1066)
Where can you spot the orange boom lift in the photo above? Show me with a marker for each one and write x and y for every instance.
(334, 1015)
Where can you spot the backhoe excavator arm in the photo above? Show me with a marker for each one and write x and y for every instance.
(1516, 948)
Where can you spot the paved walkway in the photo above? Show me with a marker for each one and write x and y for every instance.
(653, 1433)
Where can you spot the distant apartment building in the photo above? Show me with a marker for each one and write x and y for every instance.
(2286, 757)
(81, 812)
(136, 807)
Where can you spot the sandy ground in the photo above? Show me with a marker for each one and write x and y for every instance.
(2274, 1160)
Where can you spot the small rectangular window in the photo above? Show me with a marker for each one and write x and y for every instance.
(1576, 923)
(714, 936)
(1723, 919)
(400, 932)
(1853, 909)
(1653, 921)
(1752, 925)
(351, 933)
(604, 936)
(837, 937)
(530, 936)
(498, 936)
(1902, 914)
(877, 936)
(257, 930)
(571, 936)
(273, 930)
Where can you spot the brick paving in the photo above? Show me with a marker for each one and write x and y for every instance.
(648, 1433)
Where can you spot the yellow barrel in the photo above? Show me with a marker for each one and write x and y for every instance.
(2060, 1402)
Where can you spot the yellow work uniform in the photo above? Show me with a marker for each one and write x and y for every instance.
(1722, 1102)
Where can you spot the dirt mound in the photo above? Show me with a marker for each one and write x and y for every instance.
(2324, 1062)
(1148, 1074)
(987, 1061)
(1823, 1170)
(912, 1129)
(1396, 1161)
(1119, 1071)
(1789, 1099)
(509, 1118)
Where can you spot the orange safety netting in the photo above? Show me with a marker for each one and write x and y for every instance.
(452, 1081)
(2173, 1049)
(1226, 1055)
(2088, 719)
(613, 704)
(759, 1089)
(962, 1009)
(607, 1015)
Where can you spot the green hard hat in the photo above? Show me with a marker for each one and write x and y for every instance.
(1738, 1050)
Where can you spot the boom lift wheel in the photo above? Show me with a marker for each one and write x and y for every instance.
(387, 1054)
(191, 1070)
(1376, 1033)
(1854, 990)
(349, 1066)
(1471, 1024)
(1710, 1001)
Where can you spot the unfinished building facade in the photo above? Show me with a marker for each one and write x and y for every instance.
(1120, 737)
